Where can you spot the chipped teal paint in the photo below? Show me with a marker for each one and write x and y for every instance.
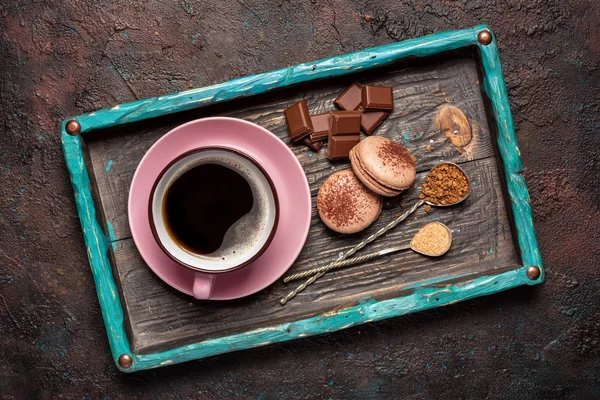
(406, 137)
(422, 296)
(495, 88)
(108, 165)
(96, 244)
(112, 238)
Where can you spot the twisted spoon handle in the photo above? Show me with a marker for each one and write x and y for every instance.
(353, 250)
(345, 263)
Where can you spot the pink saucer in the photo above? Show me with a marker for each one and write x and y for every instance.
(280, 164)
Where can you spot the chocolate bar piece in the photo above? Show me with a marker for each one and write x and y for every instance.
(298, 121)
(350, 99)
(339, 147)
(321, 126)
(315, 146)
(345, 122)
(371, 119)
(377, 98)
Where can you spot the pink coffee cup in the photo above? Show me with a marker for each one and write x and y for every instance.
(245, 240)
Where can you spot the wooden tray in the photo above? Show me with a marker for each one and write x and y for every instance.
(150, 324)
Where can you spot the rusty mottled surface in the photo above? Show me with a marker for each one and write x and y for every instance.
(64, 59)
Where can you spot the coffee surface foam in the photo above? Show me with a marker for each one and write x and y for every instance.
(248, 233)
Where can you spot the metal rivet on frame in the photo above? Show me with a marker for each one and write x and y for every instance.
(533, 272)
(73, 127)
(484, 37)
(125, 361)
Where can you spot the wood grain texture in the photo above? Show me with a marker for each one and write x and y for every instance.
(162, 318)
(419, 90)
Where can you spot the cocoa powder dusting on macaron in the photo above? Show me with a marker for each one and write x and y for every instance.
(341, 200)
(445, 184)
(394, 155)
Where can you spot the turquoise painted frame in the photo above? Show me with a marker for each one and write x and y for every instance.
(425, 295)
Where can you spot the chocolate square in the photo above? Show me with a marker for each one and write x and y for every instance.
(321, 126)
(314, 146)
(345, 122)
(377, 98)
(298, 121)
(339, 147)
(370, 120)
(350, 99)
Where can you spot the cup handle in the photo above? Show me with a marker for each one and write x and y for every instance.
(203, 285)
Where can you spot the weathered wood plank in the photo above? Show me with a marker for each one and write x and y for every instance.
(418, 89)
(161, 317)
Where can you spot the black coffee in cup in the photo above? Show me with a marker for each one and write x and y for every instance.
(214, 209)
(203, 203)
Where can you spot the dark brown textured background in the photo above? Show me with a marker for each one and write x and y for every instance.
(61, 59)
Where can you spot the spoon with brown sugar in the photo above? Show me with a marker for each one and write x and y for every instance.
(433, 240)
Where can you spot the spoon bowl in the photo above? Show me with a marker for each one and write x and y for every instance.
(462, 198)
(433, 240)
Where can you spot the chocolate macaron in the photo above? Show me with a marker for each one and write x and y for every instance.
(345, 205)
(383, 165)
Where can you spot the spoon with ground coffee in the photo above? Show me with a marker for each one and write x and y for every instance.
(445, 185)
(433, 239)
